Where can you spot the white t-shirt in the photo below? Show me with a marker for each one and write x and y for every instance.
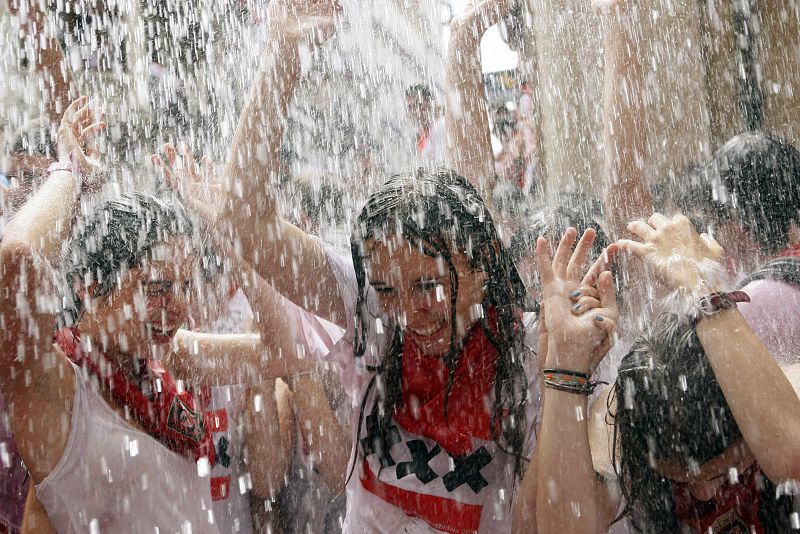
(439, 493)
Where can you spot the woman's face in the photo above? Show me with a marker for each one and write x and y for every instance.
(414, 289)
(706, 481)
(150, 304)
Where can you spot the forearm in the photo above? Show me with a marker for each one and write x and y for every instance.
(45, 220)
(624, 134)
(254, 157)
(329, 440)
(466, 119)
(570, 498)
(763, 401)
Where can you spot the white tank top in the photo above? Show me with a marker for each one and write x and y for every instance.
(115, 478)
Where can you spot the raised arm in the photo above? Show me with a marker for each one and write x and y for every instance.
(34, 378)
(466, 117)
(626, 195)
(279, 252)
(48, 57)
(763, 401)
(570, 497)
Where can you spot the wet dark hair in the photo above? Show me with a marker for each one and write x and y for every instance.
(761, 173)
(443, 215)
(119, 234)
(572, 210)
(669, 406)
(420, 92)
(575, 210)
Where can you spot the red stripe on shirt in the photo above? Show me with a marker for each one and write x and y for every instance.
(220, 488)
(219, 421)
(440, 513)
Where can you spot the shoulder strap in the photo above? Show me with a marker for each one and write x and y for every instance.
(784, 269)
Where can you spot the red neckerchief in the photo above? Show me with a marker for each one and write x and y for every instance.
(172, 417)
(424, 384)
(792, 251)
(734, 509)
(422, 140)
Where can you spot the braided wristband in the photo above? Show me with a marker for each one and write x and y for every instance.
(569, 381)
(716, 302)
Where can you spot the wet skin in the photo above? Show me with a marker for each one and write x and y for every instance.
(706, 481)
(414, 289)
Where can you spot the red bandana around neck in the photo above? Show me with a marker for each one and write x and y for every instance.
(792, 251)
(733, 510)
(173, 417)
(469, 404)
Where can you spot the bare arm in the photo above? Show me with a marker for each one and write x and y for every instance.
(270, 436)
(36, 379)
(469, 143)
(330, 441)
(627, 196)
(279, 252)
(570, 497)
(763, 401)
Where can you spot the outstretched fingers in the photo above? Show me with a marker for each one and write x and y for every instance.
(577, 263)
(544, 264)
(563, 253)
(639, 250)
(600, 264)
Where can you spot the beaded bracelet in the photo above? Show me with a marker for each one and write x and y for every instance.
(569, 381)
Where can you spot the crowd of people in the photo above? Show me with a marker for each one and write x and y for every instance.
(195, 360)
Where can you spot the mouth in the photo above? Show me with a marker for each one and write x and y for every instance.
(428, 330)
(162, 336)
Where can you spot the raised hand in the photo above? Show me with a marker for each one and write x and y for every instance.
(77, 138)
(196, 185)
(311, 22)
(679, 256)
(576, 339)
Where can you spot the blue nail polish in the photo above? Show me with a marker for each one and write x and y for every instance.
(577, 306)
(599, 318)
(576, 293)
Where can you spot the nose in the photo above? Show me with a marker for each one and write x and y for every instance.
(174, 306)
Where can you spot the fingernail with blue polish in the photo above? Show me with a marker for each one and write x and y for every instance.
(577, 306)
(576, 293)
(599, 318)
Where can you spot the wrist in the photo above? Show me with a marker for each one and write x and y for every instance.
(567, 360)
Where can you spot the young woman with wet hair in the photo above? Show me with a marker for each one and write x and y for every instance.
(706, 423)
(130, 441)
(437, 353)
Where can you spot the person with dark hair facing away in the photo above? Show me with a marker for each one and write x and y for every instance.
(761, 177)
(705, 421)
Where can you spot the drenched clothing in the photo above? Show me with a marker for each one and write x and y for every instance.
(115, 478)
(774, 315)
(733, 510)
(410, 482)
